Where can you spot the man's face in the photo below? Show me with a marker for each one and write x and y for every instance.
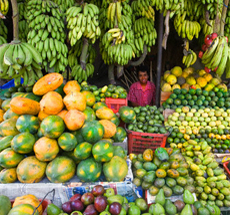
(143, 77)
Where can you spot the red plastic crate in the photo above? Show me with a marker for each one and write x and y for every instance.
(45, 204)
(139, 141)
(225, 164)
(115, 104)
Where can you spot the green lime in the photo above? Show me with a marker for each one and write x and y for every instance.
(12, 89)
(184, 91)
(173, 96)
(188, 96)
(205, 93)
(177, 101)
(169, 101)
(211, 93)
(52, 209)
(177, 91)
(198, 92)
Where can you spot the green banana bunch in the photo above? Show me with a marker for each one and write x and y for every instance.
(96, 2)
(206, 29)
(47, 33)
(22, 25)
(227, 25)
(186, 28)
(4, 6)
(216, 56)
(64, 5)
(3, 29)
(80, 74)
(83, 21)
(189, 59)
(20, 59)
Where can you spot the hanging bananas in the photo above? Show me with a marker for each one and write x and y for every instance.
(22, 25)
(20, 59)
(207, 29)
(189, 59)
(3, 32)
(217, 55)
(47, 33)
(83, 21)
(64, 5)
(227, 25)
(4, 6)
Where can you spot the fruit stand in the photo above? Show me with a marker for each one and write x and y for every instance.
(69, 142)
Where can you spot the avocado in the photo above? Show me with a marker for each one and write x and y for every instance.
(170, 182)
(149, 177)
(160, 197)
(159, 182)
(188, 197)
(178, 190)
(171, 209)
(187, 210)
(167, 191)
(203, 211)
(156, 209)
(146, 185)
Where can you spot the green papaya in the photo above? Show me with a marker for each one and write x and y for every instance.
(161, 154)
(149, 166)
(149, 176)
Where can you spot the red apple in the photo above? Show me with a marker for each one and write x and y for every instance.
(98, 190)
(226, 38)
(66, 207)
(206, 69)
(87, 198)
(200, 55)
(214, 35)
(76, 196)
(209, 42)
(204, 47)
(207, 38)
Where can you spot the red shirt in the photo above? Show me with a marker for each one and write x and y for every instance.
(140, 96)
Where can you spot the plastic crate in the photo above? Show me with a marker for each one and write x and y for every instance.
(225, 164)
(139, 141)
(10, 84)
(225, 210)
(115, 104)
(45, 204)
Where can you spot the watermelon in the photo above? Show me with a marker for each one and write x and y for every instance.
(67, 141)
(120, 135)
(127, 114)
(61, 169)
(92, 131)
(89, 114)
(23, 143)
(116, 169)
(83, 151)
(102, 151)
(89, 170)
(28, 123)
(52, 126)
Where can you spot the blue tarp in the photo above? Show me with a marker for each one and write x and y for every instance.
(10, 84)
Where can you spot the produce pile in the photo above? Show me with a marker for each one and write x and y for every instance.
(211, 125)
(48, 127)
(149, 119)
(165, 169)
(198, 99)
(189, 78)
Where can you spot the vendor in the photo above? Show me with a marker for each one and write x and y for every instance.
(143, 92)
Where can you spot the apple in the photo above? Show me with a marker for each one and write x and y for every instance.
(207, 38)
(214, 35)
(98, 190)
(66, 207)
(204, 47)
(207, 69)
(76, 196)
(209, 42)
(87, 198)
(77, 205)
(200, 55)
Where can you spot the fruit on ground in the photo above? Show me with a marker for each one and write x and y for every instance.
(75, 100)
(109, 128)
(47, 83)
(23, 143)
(74, 119)
(102, 151)
(67, 141)
(116, 169)
(51, 103)
(8, 176)
(46, 149)
(5, 204)
(89, 170)
(9, 158)
(23, 106)
(20, 210)
(28, 123)
(92, 131)
(52, 126)
(61, 169)
(31, 170)
(127, 114)
(8, 127)
(28, 199)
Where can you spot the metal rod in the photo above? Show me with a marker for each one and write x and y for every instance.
(159, 59)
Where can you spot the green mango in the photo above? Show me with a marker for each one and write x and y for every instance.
(221, 196)
(149, 176)
(170, 182)
(156, 161)
(210, 172)
(116, 198)
(207, 189)
(188, 197)
(191, 188)
(226, 183)
(218, 171)
(156, 209)
(225, 191)
(226, 203)
(149, 166)
(213, 165)
(160, 197)
(221, 177)
(187, 210)
(167, 191)
(219, 185)
(219, 203)
(171, 209)
(203, 211)
(161, 154)
(211, 197)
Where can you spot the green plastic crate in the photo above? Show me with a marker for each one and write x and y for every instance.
(225, 210)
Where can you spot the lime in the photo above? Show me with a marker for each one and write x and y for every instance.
(177, 91)
(205, 93)
(52, 209)
(169, 140)
(177, 101)
(208, 98)
(198, 92)
(181, 97)
(219, 94)
(205, 103)
(191, 102)
(211, 93)
(173, 96)
(192, 91)
(201, 97)
(173, 134)
(12, 89)
(184, 91)
(194, 97)
(188, 96)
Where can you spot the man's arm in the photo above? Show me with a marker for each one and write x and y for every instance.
(132, 100)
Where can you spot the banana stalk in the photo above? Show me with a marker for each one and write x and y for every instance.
(223, 17)
(15, 18)
(84, 53)
(120, 71)
(141, 59)
(166, 34)
(111, 74)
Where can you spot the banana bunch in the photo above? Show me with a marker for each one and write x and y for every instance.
(207, 29)
(96, 2)
(64, 5)
(4, 6)
(186, 28)
(114, 11)
(22, 25)
(227, 25)
(143, 8)
(216, 56)
(80, 74)
(144, 33)
(47, 34)
(3, 29)
(189, 59)
(20, 59)
(83, 21)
